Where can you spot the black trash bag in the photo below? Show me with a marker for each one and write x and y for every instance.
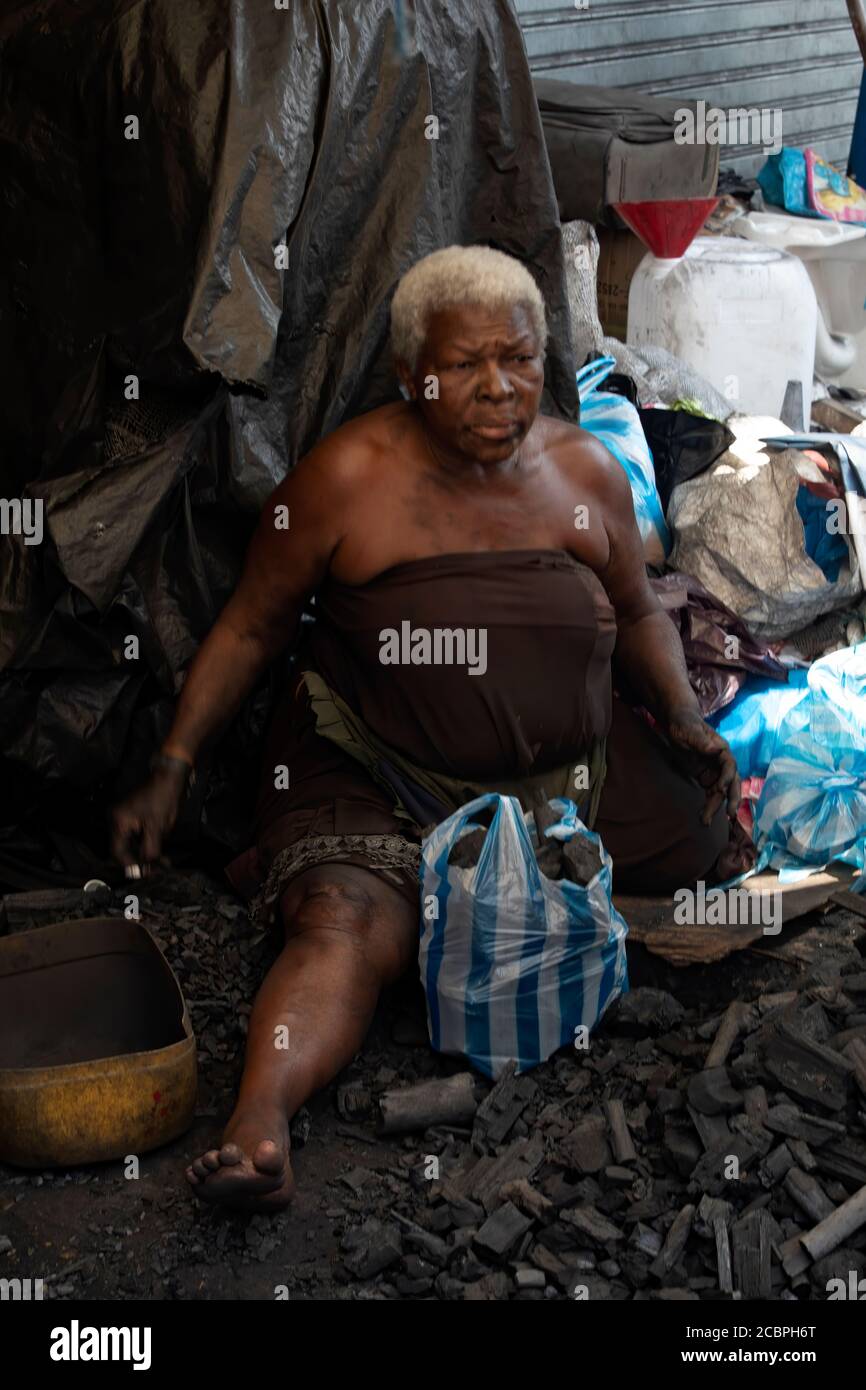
(167, 370)
(683, 446)
(717, 665)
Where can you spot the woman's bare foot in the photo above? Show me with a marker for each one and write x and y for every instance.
(251, 1169)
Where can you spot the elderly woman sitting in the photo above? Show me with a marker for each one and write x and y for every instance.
(479, 583)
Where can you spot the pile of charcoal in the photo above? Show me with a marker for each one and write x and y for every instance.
(576, 859)
(677, 1157)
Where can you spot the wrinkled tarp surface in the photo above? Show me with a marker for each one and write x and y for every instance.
(739, 532)
(145, 248)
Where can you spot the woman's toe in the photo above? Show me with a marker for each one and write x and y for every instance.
(230, 1154)
(268, 1158)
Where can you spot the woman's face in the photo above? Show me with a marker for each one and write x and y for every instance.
(479, 380)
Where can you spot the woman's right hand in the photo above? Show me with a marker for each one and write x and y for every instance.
(142, 822)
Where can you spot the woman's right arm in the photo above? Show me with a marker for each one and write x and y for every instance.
(283, 565)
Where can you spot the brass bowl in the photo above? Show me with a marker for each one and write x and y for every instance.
(97, 1054)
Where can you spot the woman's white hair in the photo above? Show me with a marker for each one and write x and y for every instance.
(475, 275)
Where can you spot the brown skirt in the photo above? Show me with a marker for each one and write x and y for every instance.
(333, 812)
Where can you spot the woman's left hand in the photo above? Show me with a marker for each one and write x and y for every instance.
(708, 758)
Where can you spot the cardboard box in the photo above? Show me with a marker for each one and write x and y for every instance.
(619, 255)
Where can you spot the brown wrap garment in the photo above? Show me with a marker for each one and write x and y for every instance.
(545, 695)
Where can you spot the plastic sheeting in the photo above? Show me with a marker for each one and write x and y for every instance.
(683, 446)
(720, 651)
(739, 532)
(615, 422)
(156, 159)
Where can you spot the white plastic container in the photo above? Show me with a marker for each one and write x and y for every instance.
(834, 254)
(743, 315)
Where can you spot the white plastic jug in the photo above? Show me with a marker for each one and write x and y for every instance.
(741, 314)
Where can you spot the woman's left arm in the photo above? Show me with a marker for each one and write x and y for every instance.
(649, 654)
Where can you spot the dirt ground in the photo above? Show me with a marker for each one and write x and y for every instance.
(93, 1234)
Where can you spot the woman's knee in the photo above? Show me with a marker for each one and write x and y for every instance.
(321, 899)
(701, 848)
(346, 907)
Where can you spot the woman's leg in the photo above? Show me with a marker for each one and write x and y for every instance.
(649, 815)
(348, 933)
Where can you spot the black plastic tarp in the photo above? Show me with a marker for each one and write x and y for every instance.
(155, 158)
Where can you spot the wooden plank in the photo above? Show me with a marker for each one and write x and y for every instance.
(651, 920)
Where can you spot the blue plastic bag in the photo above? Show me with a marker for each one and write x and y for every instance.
(512, 963)
(783, 180)
(752, 722)
(616, 424)
(812, 809)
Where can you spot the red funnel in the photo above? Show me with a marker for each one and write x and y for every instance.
(668, 227)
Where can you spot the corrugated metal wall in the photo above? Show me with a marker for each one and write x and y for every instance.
(799, 56)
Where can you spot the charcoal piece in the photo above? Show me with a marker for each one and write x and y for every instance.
(723, 1255)
(645, 1241)
(646, 1010)
(844, 1159)
(681, 1149)
(762, 1138)
(755, 1101)
(838, 1226)
(589, 1222)
(711, 1209)
(550, 1263)
(751, 1238)
(808, 1193)
(524, 1196)
(501, 1231)
(675, 1242)
(776, 1165)
(520, 1160)
(544, 815)
(581, 860)
(807, 1069)
(713, 1129)
(668, 1101)
(467, 851)
(493, 1288)
(449, 1100)
(855, 1051)
(624, 1149)
(431, 1247)
(549, 859)
(620, 1177)
(377, 1251)
(840, 1264)
(794, 1258)
(737, 1018)
(462, 1213)
(585, 1148)
(449, 1288)
(501, 1107)
(710, 1173)
(794, 1124)
(803, 1155)
(711, 1093)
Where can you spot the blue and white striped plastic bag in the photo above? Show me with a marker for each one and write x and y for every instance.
(812, 809)
(513, 963)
